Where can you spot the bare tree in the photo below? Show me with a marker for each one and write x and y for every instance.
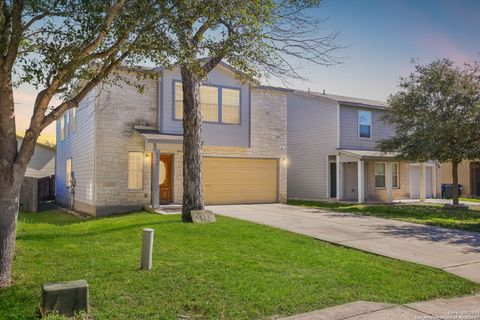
(60, 47)
(257, 38)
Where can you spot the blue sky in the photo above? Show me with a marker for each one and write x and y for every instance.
(382, 36)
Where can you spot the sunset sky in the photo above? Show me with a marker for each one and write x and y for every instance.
(381, 38)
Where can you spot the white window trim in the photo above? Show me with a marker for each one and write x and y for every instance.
(384, 175)
(398, 176)
(358, 125)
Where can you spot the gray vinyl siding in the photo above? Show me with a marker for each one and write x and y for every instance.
(349, 129)
(214, 134)
(312, 136)
(79, 146)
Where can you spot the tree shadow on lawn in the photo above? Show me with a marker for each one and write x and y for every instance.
(95, 231)
(421, 213)
(468, 242)
(52, 217)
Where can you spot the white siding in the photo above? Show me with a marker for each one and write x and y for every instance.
(312, 136)
(79, 146)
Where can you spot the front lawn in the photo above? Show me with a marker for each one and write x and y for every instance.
(227, 270)
(429, 214)
(470, 200)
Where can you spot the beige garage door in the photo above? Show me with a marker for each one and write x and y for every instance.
(237, 180)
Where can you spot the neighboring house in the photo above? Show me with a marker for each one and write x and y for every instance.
(38, 185)
(332, 153)
(42, 163)
(468, 177)
(122, 150)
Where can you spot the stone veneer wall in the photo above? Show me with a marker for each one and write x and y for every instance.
(120, 107)
(268, 140)
(403, 192)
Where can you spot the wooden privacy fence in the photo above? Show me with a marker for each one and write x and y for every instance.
(35, 191)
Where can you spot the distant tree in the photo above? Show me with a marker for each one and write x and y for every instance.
(436, 115)
(256, 37)
(56, 46)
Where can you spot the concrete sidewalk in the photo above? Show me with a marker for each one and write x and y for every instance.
(456, 308)
(454, 251)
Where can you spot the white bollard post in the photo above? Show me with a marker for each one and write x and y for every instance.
(147, 249)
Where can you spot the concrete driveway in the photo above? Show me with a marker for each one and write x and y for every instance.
(454, 251)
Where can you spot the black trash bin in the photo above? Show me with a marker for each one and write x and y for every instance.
(447, 189)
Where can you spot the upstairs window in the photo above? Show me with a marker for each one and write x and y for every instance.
(67, 124)
(379, 174)
(62, 128)
(231, 106)
(210, 105)
(364, 124)
(74, 119)
(178, 100)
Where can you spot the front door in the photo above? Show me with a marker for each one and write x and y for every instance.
(165, 178)
(333, 180)
(414, 182)
(351, 181)
(429, 182)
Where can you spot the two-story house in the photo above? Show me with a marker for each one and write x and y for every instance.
(332, 153)
(121, 150)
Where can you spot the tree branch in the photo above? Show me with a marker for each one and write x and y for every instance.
(27, 25)
(200, 32)
(112, 12)
(105, 70)
(5, 28)
(15, 34)
(212, 63)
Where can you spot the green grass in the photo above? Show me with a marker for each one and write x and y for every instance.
(227, 270)
(430, 214)
(470, 199)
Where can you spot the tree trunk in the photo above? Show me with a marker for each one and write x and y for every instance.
(9, 202)
(9, 188)
(192, 145)
(455, 183)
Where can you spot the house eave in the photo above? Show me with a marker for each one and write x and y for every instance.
(152, 135)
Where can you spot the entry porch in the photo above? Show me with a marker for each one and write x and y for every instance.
(373, 176)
